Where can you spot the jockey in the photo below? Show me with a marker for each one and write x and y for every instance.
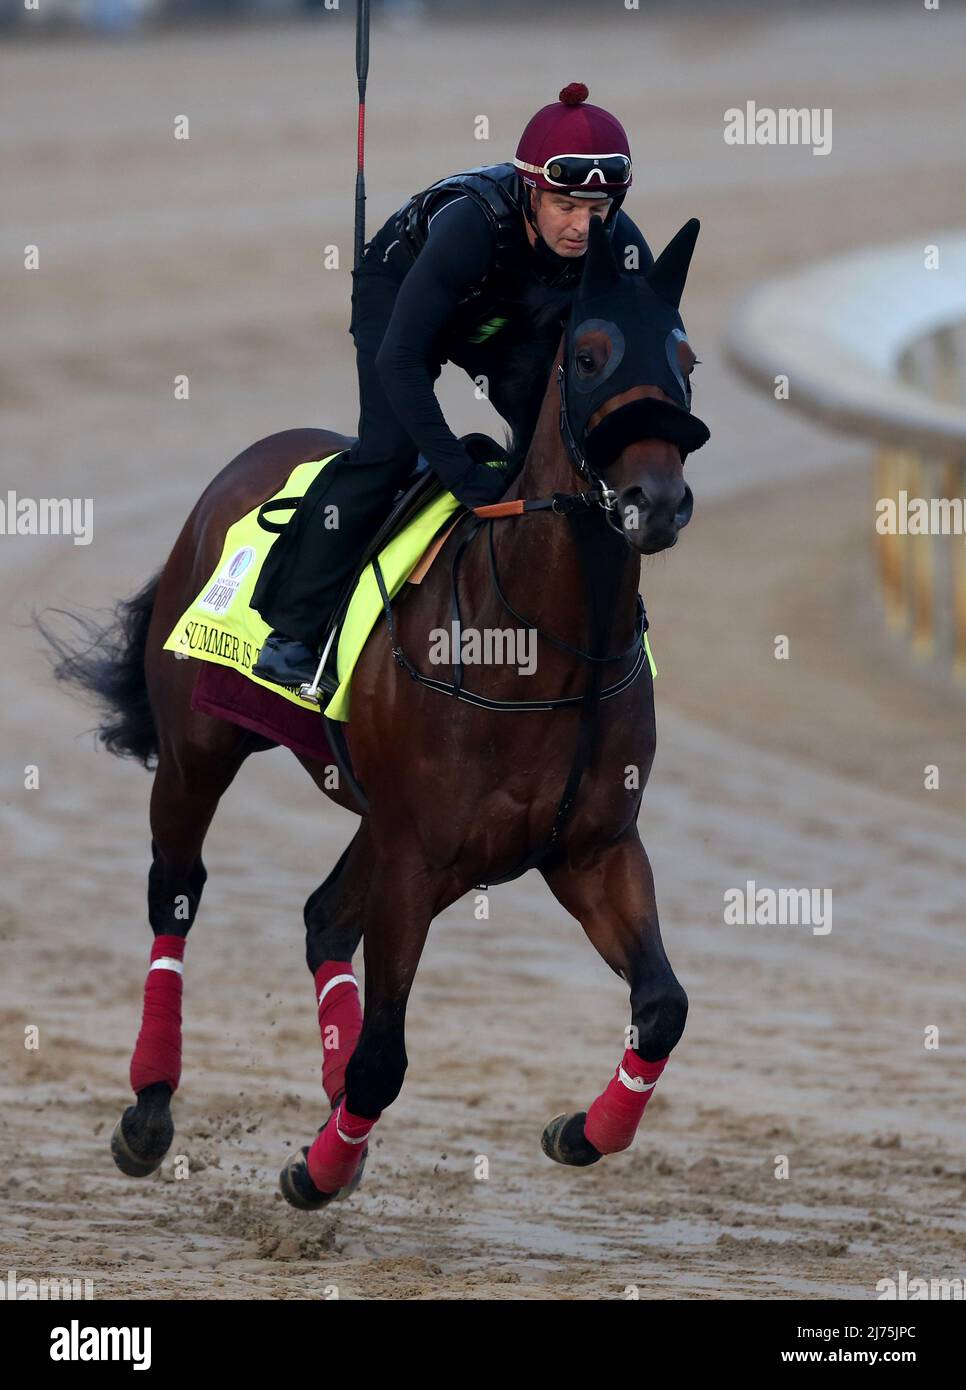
(444, 280)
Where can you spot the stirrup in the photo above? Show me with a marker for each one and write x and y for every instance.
(310, 692)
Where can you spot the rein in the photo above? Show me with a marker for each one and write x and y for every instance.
(456, 688)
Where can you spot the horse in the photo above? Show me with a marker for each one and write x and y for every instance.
(458, 793)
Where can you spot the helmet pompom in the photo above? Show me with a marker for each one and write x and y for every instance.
(573, 94)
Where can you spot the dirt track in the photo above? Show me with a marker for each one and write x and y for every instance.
(161, 257)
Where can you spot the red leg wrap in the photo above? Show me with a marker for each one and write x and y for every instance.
(340, 1021)
(157, 1053)
(613, 1118)
(337, 1151)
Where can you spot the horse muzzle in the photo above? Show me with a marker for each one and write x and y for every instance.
(652, 518)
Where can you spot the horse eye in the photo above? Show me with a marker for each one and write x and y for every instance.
(585, 363)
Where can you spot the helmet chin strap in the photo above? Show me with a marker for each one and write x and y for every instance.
(541, 250)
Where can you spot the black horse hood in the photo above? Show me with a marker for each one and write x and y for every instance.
(638, 316)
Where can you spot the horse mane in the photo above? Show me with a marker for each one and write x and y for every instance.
(528, 365)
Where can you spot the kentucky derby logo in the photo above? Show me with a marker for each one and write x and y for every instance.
(219, 595)
(239, 562)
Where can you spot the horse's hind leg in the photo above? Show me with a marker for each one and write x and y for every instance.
(189, 781)
(611, 893)
(400, 903)
(333, 930)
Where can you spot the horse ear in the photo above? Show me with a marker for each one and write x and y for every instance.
(669, 272)
(601, 271)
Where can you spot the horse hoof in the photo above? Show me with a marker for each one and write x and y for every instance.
(565, 1142)
(138, 1165)
(300, 1191)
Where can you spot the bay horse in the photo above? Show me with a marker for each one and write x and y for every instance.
(463, 792)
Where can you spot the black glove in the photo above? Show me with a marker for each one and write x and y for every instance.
(488, 480)
(482, 485)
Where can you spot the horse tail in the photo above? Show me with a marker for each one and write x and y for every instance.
(106, 660)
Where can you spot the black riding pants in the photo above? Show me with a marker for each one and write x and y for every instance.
(313, 559)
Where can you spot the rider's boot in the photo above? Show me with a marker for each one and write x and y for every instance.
(287, 661)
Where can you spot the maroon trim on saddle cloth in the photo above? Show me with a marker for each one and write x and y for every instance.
(225, 694)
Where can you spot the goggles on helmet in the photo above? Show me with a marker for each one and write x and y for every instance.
(582, 170)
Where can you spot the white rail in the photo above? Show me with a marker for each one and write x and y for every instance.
(874, 344)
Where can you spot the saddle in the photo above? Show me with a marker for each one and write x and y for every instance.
(221, 629)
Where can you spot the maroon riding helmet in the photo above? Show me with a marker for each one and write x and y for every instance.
(575, 148)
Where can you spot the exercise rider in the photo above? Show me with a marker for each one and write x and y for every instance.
(445, 279)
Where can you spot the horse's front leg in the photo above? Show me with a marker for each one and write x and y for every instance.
(610, 891)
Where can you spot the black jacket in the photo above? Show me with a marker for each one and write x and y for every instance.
(461, 256)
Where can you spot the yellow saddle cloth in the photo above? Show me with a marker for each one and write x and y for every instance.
(220, 625)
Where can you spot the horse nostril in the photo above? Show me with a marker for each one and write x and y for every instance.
(657, 510)
(635, 498)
